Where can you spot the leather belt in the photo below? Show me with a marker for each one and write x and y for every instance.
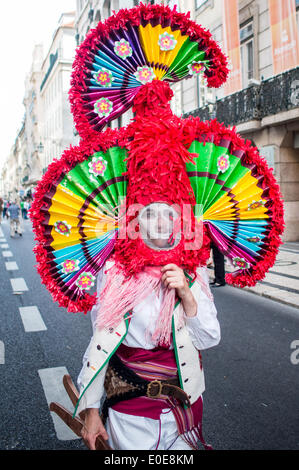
(156, 388)
(121, 383)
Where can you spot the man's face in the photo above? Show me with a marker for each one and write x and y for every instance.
(156, 223)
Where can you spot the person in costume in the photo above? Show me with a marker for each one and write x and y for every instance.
(162, 422)
(135, 210)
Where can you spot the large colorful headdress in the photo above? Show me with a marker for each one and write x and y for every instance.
(87, 204)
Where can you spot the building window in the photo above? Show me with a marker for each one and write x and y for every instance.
(205, 95)
(246, 41)
(107, 8)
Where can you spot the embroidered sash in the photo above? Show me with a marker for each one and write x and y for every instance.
(160, 364)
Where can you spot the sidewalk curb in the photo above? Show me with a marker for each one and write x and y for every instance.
(267, 296)
(260, 294)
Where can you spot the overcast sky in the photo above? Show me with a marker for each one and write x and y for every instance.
(23, 23)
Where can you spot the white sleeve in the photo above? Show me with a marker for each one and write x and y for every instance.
(204, 328)
(101, 279)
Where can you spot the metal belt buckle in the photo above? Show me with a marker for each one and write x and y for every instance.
(149, 393)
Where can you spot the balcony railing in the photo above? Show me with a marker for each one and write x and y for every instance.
(272, 96)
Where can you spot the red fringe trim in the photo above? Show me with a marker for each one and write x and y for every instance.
(216, 76)
(156, 167)
(215, 132)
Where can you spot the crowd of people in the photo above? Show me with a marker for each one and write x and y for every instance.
(15, 211)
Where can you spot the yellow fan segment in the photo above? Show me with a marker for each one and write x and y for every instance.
(246, 192)
(149, 37)
(65, 207)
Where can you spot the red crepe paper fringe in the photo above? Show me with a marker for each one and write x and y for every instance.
(156, 168)
(215, 132)
(53, 176)
(215, 76)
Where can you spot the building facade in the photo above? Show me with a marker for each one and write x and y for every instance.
(266, 108)
(30, 146)
(47, 128)
(22, 168)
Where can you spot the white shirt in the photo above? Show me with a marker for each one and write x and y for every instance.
(203, 328)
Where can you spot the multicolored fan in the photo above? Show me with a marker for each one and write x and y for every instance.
(132, 48)
(241, 201)
(75, 214)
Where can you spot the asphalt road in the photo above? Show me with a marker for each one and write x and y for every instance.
(251, 399)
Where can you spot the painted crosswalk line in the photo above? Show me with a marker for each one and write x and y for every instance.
(7, 254)
(32, 319)
(19, 285)
(11, 266)
(2, 240)
(4, 246)
(2, 353)
(54, 391)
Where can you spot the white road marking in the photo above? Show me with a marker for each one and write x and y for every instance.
(32, 319)
(54, 391)
(1, 233)
(7, 254)
(4, 246)
(2, 353)
(19, 285)
(11, 266)
(2, 240)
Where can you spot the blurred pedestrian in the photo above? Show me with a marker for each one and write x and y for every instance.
(1, 208)
(22, 208)
(14, 211)
(5, 214)
(26, 208)
(219, 268)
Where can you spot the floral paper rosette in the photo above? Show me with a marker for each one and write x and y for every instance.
(254, 239)
(85, 281)
(123, 49)
(62, 227)
(70, 266)
(104, 77)
(97, 166)
(223, 163)
(167, 42)
(103, 107)
(256, 204)
(145, 74)
(196, 68)
(240, 263)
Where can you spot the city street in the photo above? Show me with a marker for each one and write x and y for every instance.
(252, 384)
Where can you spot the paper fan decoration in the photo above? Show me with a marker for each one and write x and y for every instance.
(132, 48)
(75, 216)
(241, 201)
